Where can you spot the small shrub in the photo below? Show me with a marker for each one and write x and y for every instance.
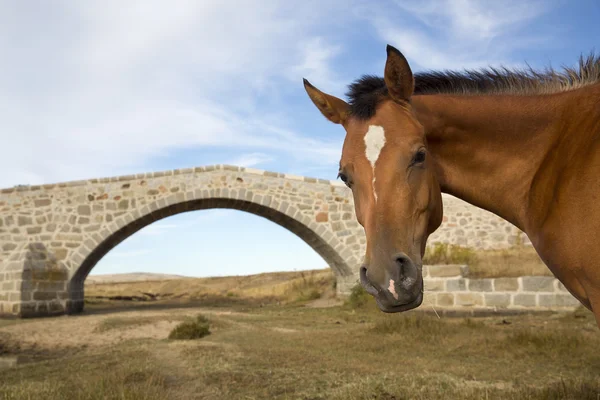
(358, 297)
(191, 329)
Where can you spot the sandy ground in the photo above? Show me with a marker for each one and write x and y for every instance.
(70, 333)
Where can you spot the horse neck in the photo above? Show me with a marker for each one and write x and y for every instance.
(487, 150)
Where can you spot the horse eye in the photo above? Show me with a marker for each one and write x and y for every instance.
(344, 178)
(419, 157)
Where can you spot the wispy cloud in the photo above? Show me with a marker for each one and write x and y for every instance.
(250, 159)
(456, 34)
(109, 87)
(317, 56)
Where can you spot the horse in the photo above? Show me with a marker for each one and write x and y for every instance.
(520, 143)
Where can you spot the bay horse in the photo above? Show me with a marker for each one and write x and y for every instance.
(522, 144)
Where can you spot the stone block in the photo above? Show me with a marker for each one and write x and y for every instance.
(456, 285)
(23, 220)
(56, 307)
(469, 299)
(322, 217)
(84, 209)
(480, 285)
(506, 284)
(497, 299)
(34, 230)
(41, 202)
(28, 309)
(444, 299)
(538, 283)
(14, 296)
(557, 300)
(434, 285)
(9, 246)
(60, 253)
(44, 295)
(42, 308)
(524, 300)
(445, 270)
(49, 286)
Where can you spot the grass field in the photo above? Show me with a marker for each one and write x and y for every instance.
(270, 340)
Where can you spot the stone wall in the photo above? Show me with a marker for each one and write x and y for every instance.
(51, 236)
(469, 226)
(449, 287)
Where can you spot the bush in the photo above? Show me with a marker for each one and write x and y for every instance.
(358, 297)
(191, 329)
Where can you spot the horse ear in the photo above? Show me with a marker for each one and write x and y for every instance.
(397, 76)
(334, 109)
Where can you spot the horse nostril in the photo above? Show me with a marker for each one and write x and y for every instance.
(403, 263)
(368, 286)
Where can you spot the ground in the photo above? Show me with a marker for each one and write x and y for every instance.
(274, 339)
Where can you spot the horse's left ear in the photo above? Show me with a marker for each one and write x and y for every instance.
(397, 76)
(333, 108)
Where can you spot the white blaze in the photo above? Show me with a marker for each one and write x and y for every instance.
(392, 289)
(374, 142)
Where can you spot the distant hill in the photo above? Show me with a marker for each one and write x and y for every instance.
(132, 277)
(271, 286)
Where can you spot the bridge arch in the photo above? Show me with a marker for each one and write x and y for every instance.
(289, 217)
(63, 230)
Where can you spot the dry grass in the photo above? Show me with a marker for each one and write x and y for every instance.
(289, 351)
(512, 262)
(293, 352)
(283, 287)
(116, 323)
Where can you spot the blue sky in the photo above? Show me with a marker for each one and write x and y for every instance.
(94, 89)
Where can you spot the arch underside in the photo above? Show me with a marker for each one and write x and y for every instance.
(314, 240)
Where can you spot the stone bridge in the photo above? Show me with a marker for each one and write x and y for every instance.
(51, 236)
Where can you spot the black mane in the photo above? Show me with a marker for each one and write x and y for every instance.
(367, 92)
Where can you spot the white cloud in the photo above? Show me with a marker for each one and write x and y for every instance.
(457, 34)
(108, 87)
(317, 56)
(472, 19)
